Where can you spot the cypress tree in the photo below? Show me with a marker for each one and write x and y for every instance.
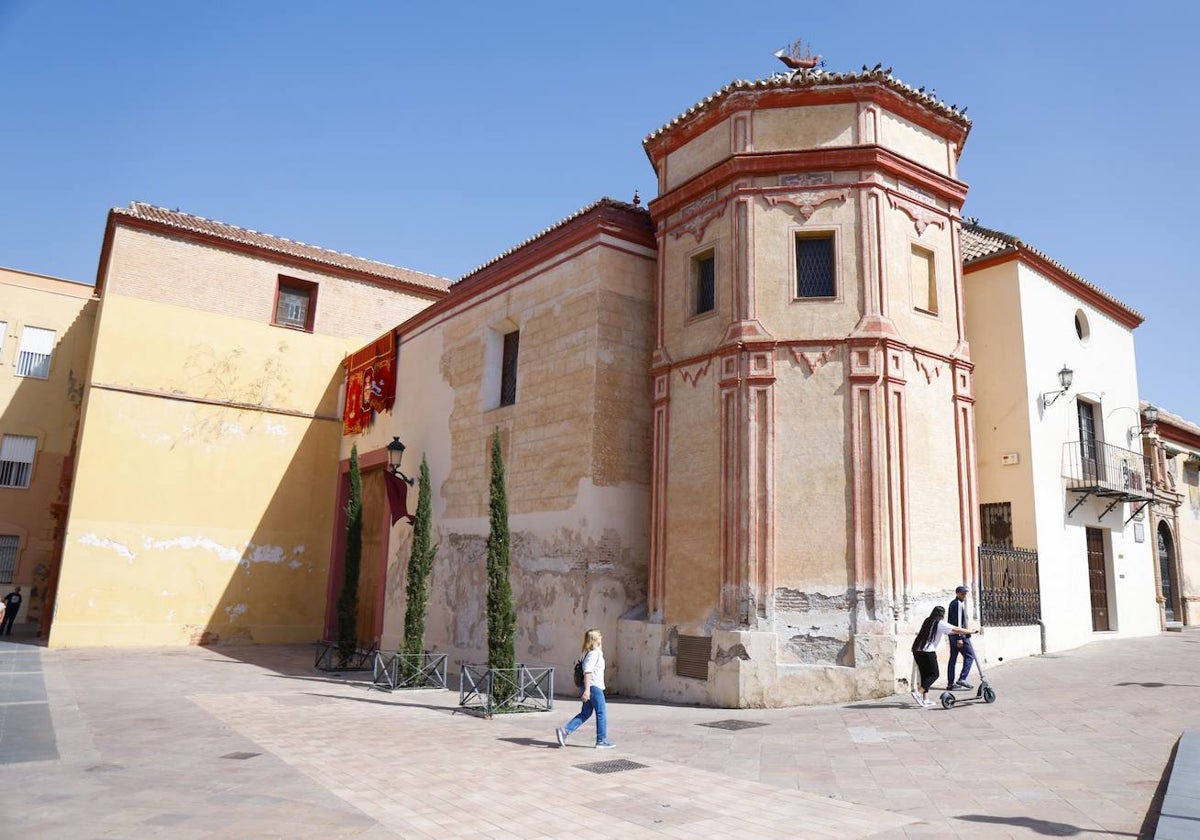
(501, 613)
(347, 607)
(420, 563)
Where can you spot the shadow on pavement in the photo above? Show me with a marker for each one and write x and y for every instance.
(1050, 829)
(530, 742)
(1159, 685)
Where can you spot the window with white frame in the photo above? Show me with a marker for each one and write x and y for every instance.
(3, 333)
(33, 358)
(16, 460)
(9, 544)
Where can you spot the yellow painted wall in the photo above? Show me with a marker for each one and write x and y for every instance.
(47, 409)
(206, 475)
(995, 327)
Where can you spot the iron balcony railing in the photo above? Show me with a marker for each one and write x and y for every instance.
(1010, 594)
(1100, 468)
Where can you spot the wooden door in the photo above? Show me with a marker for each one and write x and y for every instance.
(1166, 556)
(373, 567)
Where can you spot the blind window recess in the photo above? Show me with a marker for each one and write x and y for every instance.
(8, 557)
(16, 460)
(36, 347)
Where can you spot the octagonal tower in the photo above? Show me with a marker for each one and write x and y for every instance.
(813, 465)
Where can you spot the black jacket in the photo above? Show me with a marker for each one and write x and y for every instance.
(956, 613)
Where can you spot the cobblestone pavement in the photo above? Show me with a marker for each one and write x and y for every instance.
(252, 742)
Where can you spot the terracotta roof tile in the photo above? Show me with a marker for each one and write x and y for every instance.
(603, 202)
(279, 245)
(816, 79)
(979, 242)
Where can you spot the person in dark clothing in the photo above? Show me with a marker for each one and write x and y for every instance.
(924, 651)
(956, 614)
(12, 605)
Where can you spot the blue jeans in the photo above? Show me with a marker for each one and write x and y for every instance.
(594, 703)
(968, 655)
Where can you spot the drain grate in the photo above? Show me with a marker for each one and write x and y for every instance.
(241, 756)
(733, 724)
(614, 766)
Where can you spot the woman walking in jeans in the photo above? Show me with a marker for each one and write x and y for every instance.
(592, 695)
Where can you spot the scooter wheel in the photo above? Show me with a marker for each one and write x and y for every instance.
(989, 696)
(947, 700)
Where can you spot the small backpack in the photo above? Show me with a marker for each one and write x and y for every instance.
(579, 673)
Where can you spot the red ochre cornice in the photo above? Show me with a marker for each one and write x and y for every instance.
(1073, 285)
(116, 220)
(1168, 431)
(670, 138)
(767, 163)
(604, 220)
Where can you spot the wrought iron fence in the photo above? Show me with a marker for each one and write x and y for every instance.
(1009, 592)
(339, 656)
(504, 690)
(409, 670)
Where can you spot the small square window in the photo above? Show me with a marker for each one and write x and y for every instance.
(295, 304)
(508, 368)
(816, 276)
(704, 282)
(16, 460)
(924, 280)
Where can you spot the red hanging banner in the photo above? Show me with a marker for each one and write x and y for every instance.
(370, 383)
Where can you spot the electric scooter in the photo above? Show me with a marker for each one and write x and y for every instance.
(985, 692)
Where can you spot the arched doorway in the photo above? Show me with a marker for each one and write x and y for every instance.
(1166, 562)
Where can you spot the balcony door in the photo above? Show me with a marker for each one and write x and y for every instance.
(1098, 579)
(1088, 459)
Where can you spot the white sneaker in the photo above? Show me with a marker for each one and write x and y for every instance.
(928, 704)
(916, 695)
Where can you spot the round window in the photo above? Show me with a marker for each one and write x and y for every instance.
(1082, 330)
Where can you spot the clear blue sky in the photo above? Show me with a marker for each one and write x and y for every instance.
(437, 135)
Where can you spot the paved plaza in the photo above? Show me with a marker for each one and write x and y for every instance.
(252, 742)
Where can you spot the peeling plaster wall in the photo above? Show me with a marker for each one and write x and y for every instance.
(576, 448)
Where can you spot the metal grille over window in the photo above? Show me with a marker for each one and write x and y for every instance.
(34, 358)
(706, 284)
(995, 521)
(508, 376)
(814, 266)
(16, 460)
(8, 558)
(691, 656)
(293, 307)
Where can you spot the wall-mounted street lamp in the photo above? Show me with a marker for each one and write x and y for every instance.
(1149, 418)
(1065, 377)
(395, 451)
